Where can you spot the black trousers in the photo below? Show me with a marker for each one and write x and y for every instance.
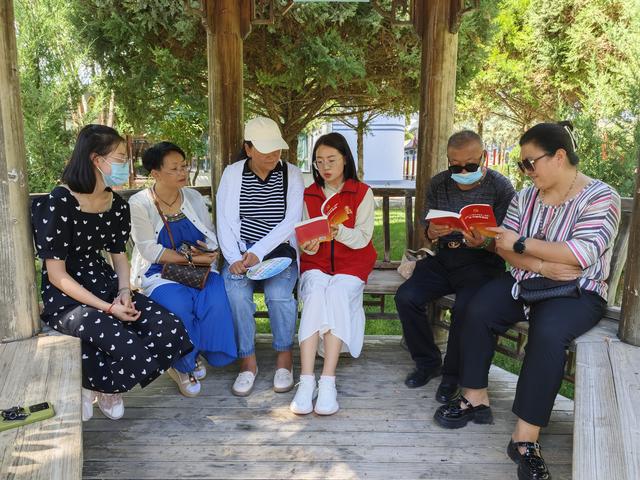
(461, 271)
(553, 325)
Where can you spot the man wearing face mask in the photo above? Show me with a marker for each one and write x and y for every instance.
(463, 262)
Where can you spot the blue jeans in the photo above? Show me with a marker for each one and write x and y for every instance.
(282, 307)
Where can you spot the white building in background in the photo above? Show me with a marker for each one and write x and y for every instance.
(384, 143)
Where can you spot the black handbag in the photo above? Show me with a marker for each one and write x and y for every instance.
(191, 275)
(536, 289)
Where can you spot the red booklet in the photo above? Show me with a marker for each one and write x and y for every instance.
(333, 213)
(476, 216)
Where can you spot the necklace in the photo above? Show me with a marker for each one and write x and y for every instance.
(542, 228)
(167, 203)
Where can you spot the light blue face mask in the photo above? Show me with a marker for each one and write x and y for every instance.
(119, 174)
(467, 178)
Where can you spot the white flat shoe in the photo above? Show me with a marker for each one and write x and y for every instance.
(283, 380)
(302, 403)
(88, 399)
(327, 403)
(244, 383)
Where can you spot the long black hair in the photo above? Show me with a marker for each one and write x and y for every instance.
(337, 141)
(552, 137)
(79, 174)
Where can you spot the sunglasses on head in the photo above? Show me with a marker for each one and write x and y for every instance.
(528, 165)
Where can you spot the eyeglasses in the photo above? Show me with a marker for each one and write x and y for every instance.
(178, 170)
(325, 163)
(469, 167)
(527, 165)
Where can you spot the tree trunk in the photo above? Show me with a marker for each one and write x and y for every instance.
(112, 109)
(19, 316)
(629, 330)
(292, 156)
(437, 98)
(226, 26)
(360, 126)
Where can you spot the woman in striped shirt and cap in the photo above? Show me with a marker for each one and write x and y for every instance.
(562, 229)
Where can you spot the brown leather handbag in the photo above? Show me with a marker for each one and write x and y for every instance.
(191, 275)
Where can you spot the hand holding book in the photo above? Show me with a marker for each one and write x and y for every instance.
(474, 217)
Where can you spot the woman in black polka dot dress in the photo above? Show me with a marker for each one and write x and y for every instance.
(126, 339)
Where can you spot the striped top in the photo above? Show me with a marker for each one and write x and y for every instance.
(262, 203)
(587, 223)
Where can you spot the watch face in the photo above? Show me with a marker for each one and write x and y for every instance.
(518, 247)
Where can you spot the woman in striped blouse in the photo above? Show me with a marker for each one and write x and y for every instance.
(560, 228)
(259, 200)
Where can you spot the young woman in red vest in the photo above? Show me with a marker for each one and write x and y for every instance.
(333, 274)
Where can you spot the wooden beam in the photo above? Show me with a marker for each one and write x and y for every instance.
(437, 97)
(630, 320)
(19, 316)
(226, 22)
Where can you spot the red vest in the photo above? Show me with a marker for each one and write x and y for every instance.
(335, 257)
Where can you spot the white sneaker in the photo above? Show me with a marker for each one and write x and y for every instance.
(111, 405)
(302, 403)
(201, 370)
(283, 380)
(88, 399)
(244, 383)
(327, 403)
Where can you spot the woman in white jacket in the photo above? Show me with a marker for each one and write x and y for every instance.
(259, 200)
(205, 313)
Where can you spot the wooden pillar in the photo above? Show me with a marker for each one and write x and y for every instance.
(227, 22)
(437, 96)
(19, 316)
(629, 330)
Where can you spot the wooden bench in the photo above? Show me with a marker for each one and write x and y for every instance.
(43, 368)
(606, 432)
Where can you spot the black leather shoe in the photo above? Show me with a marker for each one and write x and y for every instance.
(531, 465)
(419, 377)
(454, 416)
(447, 392)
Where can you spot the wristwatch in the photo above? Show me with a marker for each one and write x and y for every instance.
(519, 246)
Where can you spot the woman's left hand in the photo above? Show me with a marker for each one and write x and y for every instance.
(250, 259)
(504, 238)
(124, 298)
(334, 230)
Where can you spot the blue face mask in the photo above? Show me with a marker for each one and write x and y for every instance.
(119, 174)
(467, 178)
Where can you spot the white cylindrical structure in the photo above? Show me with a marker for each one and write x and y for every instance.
(383, 147)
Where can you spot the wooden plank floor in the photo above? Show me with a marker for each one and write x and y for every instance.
(383, 430)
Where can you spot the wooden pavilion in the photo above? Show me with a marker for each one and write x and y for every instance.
(33, 365)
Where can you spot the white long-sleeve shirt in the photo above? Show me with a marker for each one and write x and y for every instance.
(228, 214)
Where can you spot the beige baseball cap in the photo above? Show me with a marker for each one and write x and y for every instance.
(265, 135)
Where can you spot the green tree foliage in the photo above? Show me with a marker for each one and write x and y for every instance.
(49, 61)
(552, 59)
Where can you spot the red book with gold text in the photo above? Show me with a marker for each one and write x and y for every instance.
(334, 213)
(476, 216)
